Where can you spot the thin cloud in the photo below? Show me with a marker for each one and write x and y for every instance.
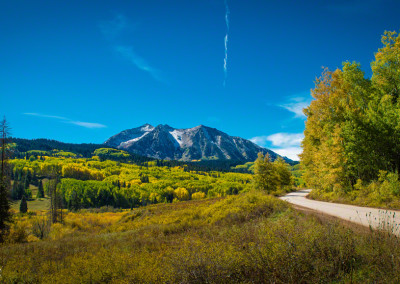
(114, 28)
(227, 12)
(296, 105)
(290, 152)
(128, 53)
(67, 120)
(260, 140)
(285, 139)
(285, 144)
(88, 124)
(44, 115)
(113, 31)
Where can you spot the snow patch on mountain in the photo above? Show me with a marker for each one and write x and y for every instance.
(177, 134)
(147, 127)
(130, 142)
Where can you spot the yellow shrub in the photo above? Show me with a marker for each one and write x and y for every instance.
(181, 193)
(198, 195)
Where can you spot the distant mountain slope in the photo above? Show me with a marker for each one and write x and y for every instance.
(200, 142)
(24, 145)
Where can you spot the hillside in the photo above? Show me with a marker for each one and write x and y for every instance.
(85, 183)
(25, 148)
(246, 238)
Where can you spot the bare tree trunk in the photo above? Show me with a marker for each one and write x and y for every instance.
(55, 200)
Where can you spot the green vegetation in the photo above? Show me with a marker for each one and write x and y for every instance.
(297, 173)
(272, 177)
(249, 167)
(351, 150)
(247, 238)
(23, 206)
(295, 169)
(111, 154)
(90, 182)
(5, 214)
(104, 180)
(33, 205)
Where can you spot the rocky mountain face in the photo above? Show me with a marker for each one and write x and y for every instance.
(200, 142)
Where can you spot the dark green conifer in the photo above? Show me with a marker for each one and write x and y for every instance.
(14, 191)
(5, 215)
(23, 206)
(40, 193)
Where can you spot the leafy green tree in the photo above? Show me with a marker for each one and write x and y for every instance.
(285, 176)
(265, 175)
(353, 125)
(386, 67)
(23, 206)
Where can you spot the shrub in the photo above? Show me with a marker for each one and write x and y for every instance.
(198, 195)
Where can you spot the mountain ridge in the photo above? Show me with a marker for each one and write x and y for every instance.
(187, 144)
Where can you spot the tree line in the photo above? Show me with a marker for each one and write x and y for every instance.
(352, 134)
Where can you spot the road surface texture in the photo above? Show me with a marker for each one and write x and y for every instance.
(376, 218)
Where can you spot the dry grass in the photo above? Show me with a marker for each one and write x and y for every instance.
(248, 238)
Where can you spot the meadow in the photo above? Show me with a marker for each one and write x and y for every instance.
(251, 237)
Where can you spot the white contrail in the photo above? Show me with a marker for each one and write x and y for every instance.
(226, 41)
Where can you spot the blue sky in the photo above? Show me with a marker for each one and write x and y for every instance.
(81, 71)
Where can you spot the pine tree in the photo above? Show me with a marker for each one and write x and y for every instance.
(23, 206)
(40, 193)
(5, 215)
(14, 191)
(26, 180)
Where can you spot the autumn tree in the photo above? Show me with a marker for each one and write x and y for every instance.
(198, 195)
(181, 194)
(265, 175)
(353, 124)
(283, 173)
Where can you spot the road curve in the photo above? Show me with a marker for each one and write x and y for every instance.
(366, 216)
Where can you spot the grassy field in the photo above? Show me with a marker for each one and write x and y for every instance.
(246, 238)
(33, 205)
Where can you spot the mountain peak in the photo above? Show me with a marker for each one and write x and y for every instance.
(146, 127)
(164, 127)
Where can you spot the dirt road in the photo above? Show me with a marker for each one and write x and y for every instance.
(377, 218)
